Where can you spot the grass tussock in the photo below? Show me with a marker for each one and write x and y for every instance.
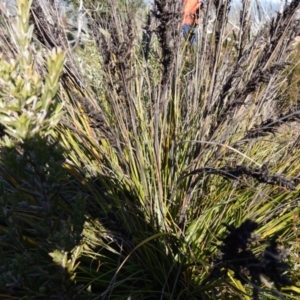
(123, 157)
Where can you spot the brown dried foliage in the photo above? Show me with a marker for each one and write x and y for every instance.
(272, 61)
(167, 13)
(262, 175)
(115, 49)
(50, 32)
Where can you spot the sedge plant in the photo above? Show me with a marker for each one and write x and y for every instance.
(163, 157)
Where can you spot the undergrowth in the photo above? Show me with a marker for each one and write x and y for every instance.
(135, 166)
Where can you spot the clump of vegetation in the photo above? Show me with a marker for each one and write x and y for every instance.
(122, 159)
(237, 256)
